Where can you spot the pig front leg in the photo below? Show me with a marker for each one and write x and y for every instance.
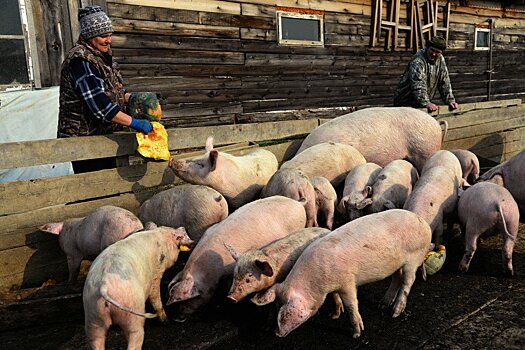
(73, 266)
(349, 296)
(471, 245)
(156, 301)
(408, 276)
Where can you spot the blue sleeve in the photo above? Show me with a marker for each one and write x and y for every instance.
(90, 87)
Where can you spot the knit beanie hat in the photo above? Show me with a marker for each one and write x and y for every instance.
(438, 42)
(93, 22)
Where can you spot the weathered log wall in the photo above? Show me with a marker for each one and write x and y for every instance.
(212, 60)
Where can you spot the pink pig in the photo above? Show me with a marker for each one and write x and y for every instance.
(486, 209)
(122, 277)
(250, 227)
(330, 160)
(383, 134)
(193, 207)
(469, 165)
(510, 174)
(84, 238)
(356, 183)
(239, 179)
(362, 251)
(325, 200)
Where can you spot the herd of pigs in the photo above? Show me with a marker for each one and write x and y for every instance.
(269, 229)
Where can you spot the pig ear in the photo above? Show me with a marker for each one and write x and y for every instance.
(183, 290)
(53, 227)
(343, 204)
(265, 267)
(364, 203)
(209, 143)
(213, 160)
(265, 297)
(367, 192)
(235, 254)
(389, 205)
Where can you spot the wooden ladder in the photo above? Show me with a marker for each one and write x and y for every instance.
(391, 23)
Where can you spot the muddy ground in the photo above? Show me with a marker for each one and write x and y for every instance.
(479, 310)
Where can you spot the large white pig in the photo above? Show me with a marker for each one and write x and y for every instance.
(469, 165)
(238, 178)
(193, 207)
(510, 174)
(250, 227)
(325, 201)
(445, 159)
(123, 277)
(362, 251)
(391, 187)
(330, 160)
(85, 237)
(487, 209)
(355, 190)
(383, 134)
(435, 198)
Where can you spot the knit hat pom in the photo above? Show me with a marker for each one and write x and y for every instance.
(93, 22)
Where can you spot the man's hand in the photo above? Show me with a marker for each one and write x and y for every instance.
(141, 125)
(431, 107)
(452, 106)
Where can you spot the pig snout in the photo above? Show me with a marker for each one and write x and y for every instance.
(232, 299)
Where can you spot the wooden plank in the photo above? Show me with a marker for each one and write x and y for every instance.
(148, 13)
(194, 5)
(486, 128)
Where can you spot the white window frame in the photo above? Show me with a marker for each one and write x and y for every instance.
(281, 14)
(483, 30)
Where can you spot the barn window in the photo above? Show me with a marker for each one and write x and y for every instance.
(482, 38)
(300, 27)
(13, 45)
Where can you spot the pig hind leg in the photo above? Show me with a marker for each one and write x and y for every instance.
(471, 244)
(349, 296)
(391, 293)
(408, 276)
(509, 232)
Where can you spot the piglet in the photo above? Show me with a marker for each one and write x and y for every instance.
(330, 160)
(84, 238)
(486, 209)
(469, 165)
(123, 277)
(362, 251)
(325, 200)
(250, 227)
(355, 190)
(391, 187)
(239, 179)
(294, 184)
(193, 207)
(510, 174)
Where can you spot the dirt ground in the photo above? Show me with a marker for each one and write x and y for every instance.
(478, 310)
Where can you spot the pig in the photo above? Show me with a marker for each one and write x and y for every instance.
(250, 227)
(391, 187)
(356, 183)
(486, 209)
(85, 237)
(258, 269)
(510, 174)
(383, 134)
(435, 197)
(469, 165)
(296, 185)
(239, 179)
(362, 251)
(193, 207)
(325, 200)
(123, 277)
(330, 160)
(447, 159)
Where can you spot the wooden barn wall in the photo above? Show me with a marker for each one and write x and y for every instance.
(213, 60)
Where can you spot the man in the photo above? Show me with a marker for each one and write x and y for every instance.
(92, 96)
(426, 73)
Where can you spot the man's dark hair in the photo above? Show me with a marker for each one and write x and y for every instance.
(438, 42)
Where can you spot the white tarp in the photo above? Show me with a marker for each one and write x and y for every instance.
(30, 115)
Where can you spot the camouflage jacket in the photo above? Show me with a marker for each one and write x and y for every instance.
(75, 118)
(421, 80)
